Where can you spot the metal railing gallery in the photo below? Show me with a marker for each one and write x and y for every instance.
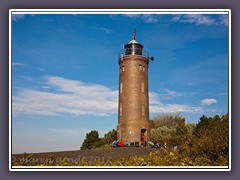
(126, 52)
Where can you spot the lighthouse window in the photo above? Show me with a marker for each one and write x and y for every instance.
(142, 87)
(143, 68)
(121, 87)
(143, 110)
(140, 67)
(120, 110)
(123, 68)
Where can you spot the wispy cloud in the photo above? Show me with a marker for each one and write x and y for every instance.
(222, 94)
(46, 87)
(17, 64)
(154, 98)
(40, 69)
(208, 101)
(194, 19)
(16, 17)
(156, 106)
(103, 29)
(132, 15)
(175, 108)
(223, 19)
(147, 18)
(169, 94)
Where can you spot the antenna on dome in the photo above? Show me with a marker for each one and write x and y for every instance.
(134, 33)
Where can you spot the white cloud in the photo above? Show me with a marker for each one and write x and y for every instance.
(208, 101)
(16, 17)
(147, 18)
(70, 97)
(60, 96)
(194, 18)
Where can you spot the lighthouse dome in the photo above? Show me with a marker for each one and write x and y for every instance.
(133, 47)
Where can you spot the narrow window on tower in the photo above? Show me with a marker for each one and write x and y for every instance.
(121, 87)
(120, 110)
(140, 67)
(142, 87)
(143, 68)
(143, 110)
(123, 68)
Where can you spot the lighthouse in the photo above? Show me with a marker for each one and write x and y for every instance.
(133, 102)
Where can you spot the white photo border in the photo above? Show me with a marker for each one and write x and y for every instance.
(118, 11)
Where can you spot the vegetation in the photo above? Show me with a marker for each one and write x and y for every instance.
(205, 143)
(169, 129)
(93, 141)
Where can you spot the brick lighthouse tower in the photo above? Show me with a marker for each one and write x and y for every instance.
(133, 105)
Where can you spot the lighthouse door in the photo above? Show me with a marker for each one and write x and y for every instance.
(143, 134)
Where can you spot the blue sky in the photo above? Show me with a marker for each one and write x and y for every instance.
(65, 72)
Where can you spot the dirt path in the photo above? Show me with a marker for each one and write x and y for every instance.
(90, 155)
